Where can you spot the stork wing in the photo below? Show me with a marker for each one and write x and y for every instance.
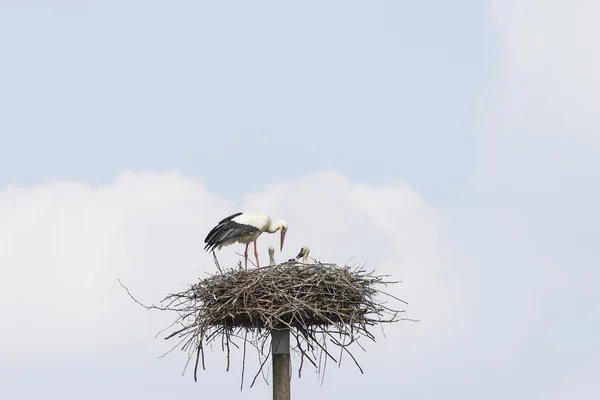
(232, 216)
(227, 230)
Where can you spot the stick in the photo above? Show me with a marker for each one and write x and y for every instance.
(280, 344)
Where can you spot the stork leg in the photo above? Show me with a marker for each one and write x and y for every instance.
(256, 255)
(246, 257)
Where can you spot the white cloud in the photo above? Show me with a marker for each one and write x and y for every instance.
(540, 118)
(484, 282)
(581, 382)
(550, 63)
(540, 140)
(469, 278)
(64, 244)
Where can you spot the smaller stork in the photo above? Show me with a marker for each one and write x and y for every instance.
(271, 255)
(304, 254)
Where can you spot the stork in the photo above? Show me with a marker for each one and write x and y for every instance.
(271, 255)
(243, 227)
(304, 254)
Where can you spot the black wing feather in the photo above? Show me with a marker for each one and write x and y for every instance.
(219, 226)
(232, 216)
(226, 230)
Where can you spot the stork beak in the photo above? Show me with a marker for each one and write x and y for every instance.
(299, 255)
(282, 240)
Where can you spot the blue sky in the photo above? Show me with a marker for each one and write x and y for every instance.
(453, 145)
(378, 92)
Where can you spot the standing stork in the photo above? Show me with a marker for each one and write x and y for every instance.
(243, 227)
(304, 254)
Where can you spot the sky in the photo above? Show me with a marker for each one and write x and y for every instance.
(453, 146)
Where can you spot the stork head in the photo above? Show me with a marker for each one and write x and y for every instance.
(283, 227)
(271, 250)
(303, 252)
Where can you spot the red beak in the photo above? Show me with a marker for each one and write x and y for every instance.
(282, 240)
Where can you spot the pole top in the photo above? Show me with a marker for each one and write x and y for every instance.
(280, 341)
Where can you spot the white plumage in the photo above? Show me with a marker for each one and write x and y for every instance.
(271, 255)
(243, 227)
(304, 251)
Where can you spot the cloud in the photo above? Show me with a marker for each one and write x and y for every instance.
(539, 125)
(504, 286)
(549, 64)
(581, 382)
(540, 117)
(65, 244)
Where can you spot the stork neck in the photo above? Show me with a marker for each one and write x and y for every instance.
(274, 227)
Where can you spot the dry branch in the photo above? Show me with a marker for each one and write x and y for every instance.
(323, 305)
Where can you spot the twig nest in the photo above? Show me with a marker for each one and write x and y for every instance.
(322, 305)
(290, 294)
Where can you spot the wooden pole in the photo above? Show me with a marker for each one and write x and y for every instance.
(280, 345)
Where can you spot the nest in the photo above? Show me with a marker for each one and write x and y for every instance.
(322, 305)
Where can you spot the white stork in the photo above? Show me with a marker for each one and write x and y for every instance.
(304, 254)
(243, 227)
(271, 255)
